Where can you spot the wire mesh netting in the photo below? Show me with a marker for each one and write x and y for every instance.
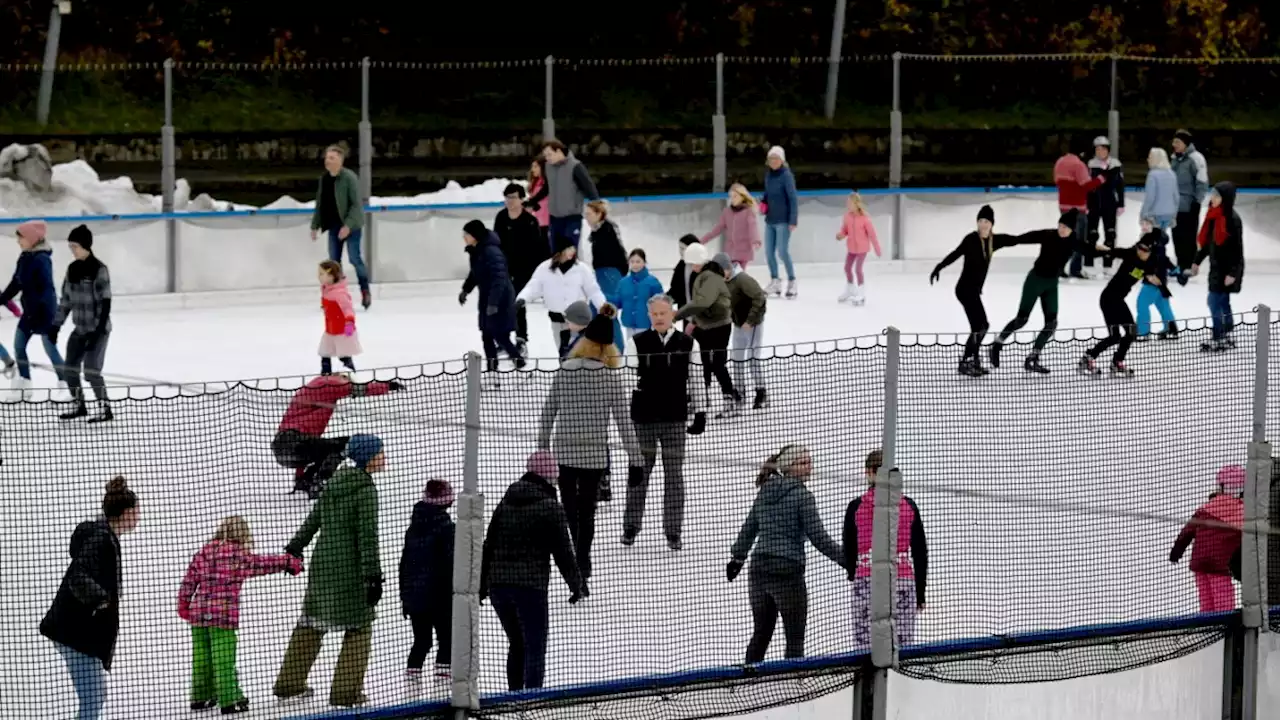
(779, 92)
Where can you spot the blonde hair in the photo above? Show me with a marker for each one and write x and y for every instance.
(601, 207)
(741, 191)
(1158, 158)
(858, 205)
(235, 529)
(592, 350)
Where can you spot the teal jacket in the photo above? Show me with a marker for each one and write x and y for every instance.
(350, 209)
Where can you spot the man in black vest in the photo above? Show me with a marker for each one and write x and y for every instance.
(659, 408)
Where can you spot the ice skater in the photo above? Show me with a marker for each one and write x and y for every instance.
(910, 550)
(33, 279)
(1153, 294)
(1221, 240)
(86, 299)
(747, 305)
(608, 258)
(426, 578)
(1215, 530)
(976, 248)
(524, 247)
(339, 338)
(859, 235)
(711, 323)
(740, 223)
(781, 214)
(1056, 248)
(209, 601)
(497, 303)
(633, 293)
(1135, 265)
(558, 282)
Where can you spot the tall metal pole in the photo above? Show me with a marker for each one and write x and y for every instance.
(833, 62)
(1113, 117)
(169, 181)
(50, 65)
(365, 131)
(467, 556)
(719, 134)
(548, 119)
(895, 157)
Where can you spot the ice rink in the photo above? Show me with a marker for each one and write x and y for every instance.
(195, 461)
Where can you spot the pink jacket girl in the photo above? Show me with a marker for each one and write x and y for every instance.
(1216, 531)
(210, 592)
(912, 558)
(860, 238)
(740, 224)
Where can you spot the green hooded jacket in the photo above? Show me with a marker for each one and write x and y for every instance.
(346, 554)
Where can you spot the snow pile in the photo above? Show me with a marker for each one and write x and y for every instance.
(76, 189)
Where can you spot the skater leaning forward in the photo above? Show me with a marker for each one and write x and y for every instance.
(1136, 265)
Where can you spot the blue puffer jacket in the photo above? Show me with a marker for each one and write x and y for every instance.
(497, 296)
(33, 279)
(632, 298)
(780, 195)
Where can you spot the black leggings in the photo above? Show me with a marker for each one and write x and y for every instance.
(775, 591)
(978, 323)
(438, 617)
(1120, 329)
(580, 492)
(714, 347)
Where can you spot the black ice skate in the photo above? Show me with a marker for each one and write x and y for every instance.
(204, 705)
(1032, 364)
(1170, 332)
(673, 542)
(1213, 346)
(762, 400)
(365, 298)
(105, 416)
(994, 354)
(1087, 365)
(966, 367)
(78, 411)
(238, 707)
(1119, 369)
(629, 538)
(732, 407)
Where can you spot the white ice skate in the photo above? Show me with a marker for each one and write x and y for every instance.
(62, 394)
(850, 290)
(20, 390)
(774, 288)
(793, 290)
(859, 295)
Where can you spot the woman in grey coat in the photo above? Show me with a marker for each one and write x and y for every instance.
(586, 393)
(783, 516)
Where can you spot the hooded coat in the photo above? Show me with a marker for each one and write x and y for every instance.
(708, 304)
(426, 563)
(33, 279)
(528, 529)
(1225, 258)
(782, 517)
(497, 295)
(346, 553)
(85, 615)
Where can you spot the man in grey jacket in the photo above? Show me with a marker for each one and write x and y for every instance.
(569, 186)
(86, 301)
(1193, 185)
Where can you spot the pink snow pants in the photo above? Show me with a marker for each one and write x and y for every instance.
(853, 264)
(1217, 594)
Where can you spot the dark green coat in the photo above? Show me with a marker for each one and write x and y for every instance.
(346, 188)
(346, 554)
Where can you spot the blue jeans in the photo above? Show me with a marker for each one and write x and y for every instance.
(569, 226)
(1150, 295)
(20, 339)
(353, 254)
(524, 617)
(608, 280)
(1082, 234)
(89, 680)
(777, 239)
(1220, 311)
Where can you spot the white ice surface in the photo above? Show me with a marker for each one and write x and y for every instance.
(190, 471)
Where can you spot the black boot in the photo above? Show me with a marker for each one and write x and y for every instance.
(1170, 332)
(237, 707)
(1032, 364)
(994, 354)
(104, 416)
(966, 367)
(762, 399)
(365, 298)
(77, 411)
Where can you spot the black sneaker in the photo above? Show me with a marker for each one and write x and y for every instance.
(762, 399)
(673, 542)
(204, 705)
(629, 538)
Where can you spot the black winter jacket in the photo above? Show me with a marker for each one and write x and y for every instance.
(85, 615)
(426, 563)
(528, 528)
(1227, 258)
(522, 244)
(607, 250)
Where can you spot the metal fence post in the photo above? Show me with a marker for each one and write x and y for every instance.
(548, 119)
(169, 179)
(51, 40)
(833, 63)
(871, 696)
(895, 157)
(719, 136)
(366, 169)
(467, 554)
(1113, 117)
(1254, 611)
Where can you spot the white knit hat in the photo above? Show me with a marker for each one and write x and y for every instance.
(696, 254)
(777, 150)
(789, 455)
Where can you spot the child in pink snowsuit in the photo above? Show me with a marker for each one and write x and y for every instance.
(1215, 530)
(912, 557)
(209, 600)
(740, 224)
(860, 238)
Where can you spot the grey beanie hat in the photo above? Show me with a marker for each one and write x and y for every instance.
(578, 313)
(722, 259)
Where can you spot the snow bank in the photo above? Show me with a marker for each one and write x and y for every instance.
(76, 189)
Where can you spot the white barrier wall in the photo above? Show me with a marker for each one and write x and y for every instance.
(274, 251)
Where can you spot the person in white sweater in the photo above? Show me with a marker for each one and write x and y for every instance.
(559, 282)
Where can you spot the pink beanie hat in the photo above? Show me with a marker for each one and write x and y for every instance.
(543, 463)
(1231, 478)
(33, 229)
(438, 492)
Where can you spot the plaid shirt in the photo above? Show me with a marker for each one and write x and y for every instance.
(83, 301)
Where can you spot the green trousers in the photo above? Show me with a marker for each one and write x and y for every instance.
(348, 676)
(1044, 290)
(213, 666)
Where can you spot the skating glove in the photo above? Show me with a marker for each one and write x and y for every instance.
(373, 590)
(395, 385)
(295, 565)
(519, 303)
(291, 550)
(462, 298)
(732, 569)
(699, 425)
(579, 594)
(635, 476)
(935, 276)
(349, 329)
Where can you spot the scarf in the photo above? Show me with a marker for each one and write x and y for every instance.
(1216, 221)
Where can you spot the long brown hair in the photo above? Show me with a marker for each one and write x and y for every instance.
(542, 170)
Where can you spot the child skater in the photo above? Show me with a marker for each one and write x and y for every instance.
(33, 278)
(560, 281)
(1153, 293)
(1215, 530)
(633, 293)
(339, 338)
(426, 578)
(608, 258)
(1135, 265)
(860, 238)
(740, 223)
(209, 600)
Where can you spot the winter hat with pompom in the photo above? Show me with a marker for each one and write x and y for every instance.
(438, 492)
(600, 329)
(1231, 478)
(543, 464)
(696, 254)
